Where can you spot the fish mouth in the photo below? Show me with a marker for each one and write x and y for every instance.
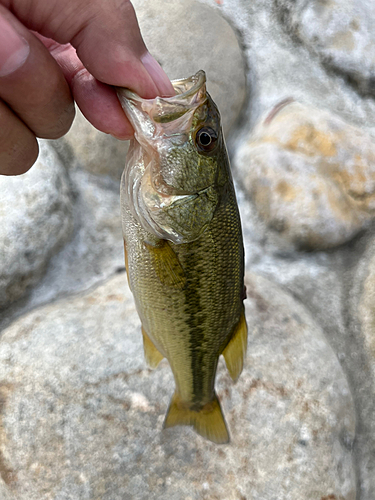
(150, 116)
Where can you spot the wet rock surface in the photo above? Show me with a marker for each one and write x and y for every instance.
(82, 413)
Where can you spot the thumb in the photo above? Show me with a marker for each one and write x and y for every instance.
(119, 50)
(106, 36)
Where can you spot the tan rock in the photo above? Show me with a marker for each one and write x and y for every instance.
(310, 175)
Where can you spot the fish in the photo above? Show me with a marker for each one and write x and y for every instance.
(184, 253)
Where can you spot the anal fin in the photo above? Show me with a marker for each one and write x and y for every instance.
(235, 352)
(209, 421)
(166, 264)
(152, 355)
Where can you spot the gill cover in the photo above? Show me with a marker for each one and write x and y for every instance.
(169, 183)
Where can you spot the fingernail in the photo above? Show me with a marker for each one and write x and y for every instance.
(13, 48)
(158, 75)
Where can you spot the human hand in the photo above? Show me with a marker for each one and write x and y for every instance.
(52, 52)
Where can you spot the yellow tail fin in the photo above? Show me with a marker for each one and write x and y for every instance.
(209, 422)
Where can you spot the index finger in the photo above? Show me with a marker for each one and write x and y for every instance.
(106, 36)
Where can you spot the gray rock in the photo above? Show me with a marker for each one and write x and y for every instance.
(82, 413)
(341, 33)
(310, 175)
(94, 252)
(4, 492)
(35, 220)
(360, 359)
(85, 147)
(186, 36)
(366, 312)
(279, 66)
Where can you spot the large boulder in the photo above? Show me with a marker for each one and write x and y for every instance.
(186, 36)
(310, 175)
(36, 218)
(82, 413)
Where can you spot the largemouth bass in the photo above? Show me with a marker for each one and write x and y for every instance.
(183, 247)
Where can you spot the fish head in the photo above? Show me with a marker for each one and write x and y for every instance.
(175, 165)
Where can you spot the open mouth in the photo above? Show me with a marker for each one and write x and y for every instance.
(190, 93)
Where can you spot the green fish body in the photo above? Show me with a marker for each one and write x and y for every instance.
(183, 247)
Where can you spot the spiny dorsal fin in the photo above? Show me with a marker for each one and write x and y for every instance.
(235, 352)
(152, 355)
(209, 421)
(166, 264)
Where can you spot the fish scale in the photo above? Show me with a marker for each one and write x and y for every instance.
(188, 285)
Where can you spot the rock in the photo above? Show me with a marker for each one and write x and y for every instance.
(186, 36)
(94, 252)
(360, 359)
(4, 492)
(310, 175)
(366, 312)
(280, 66)
(82, 414)
(35, 220)
(85, 147)
(341, 33)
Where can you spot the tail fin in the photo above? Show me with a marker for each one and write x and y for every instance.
(209, 421)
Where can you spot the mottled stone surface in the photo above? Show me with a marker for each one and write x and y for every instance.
(94, 251)
(279, 66)
(82, 413)
(35, 220)
(186, 36)
(310, 175)
(366, 310)
(341, 33)
(360, 357)
(85, 147)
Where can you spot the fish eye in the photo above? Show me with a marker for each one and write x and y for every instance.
(206, 139)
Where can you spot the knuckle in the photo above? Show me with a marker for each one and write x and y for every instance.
(62, 123)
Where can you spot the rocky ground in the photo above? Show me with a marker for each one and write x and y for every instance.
(80, 412)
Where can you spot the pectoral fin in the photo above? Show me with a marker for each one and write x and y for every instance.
(166, 264)
(152, 355)
(235, 352)
(209, 422)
